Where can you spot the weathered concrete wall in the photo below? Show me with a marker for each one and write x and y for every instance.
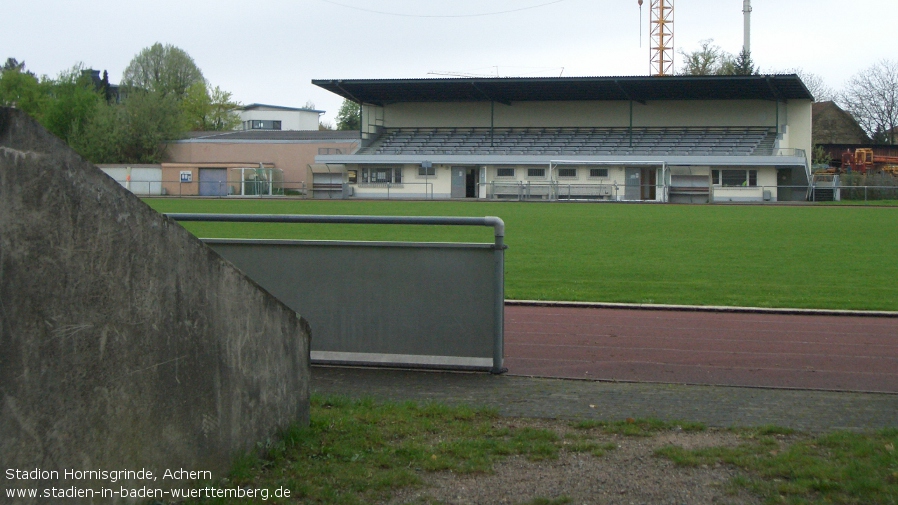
(125, 343)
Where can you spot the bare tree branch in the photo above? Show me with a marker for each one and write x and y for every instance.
(871, 96)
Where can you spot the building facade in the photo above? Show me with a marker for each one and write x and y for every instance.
(259, 116)
(281, 159)
(236, 163)
(664, 139)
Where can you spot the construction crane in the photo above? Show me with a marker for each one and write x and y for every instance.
(661, 19)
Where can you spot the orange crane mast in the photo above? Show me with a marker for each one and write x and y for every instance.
(661, 21)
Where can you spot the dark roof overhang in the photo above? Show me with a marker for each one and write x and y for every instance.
(525, 89)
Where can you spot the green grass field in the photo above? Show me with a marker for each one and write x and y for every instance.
(832, 257)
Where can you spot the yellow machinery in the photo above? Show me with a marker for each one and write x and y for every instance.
(863, 160)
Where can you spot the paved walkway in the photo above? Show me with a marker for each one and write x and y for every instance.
(588, 399)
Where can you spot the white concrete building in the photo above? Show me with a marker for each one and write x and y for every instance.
(664, 139)
(259, 116)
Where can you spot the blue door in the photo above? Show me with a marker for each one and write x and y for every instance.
(213, 182)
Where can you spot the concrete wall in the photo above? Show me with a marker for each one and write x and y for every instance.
(413, 184)
(799, 118)
(125, 343)
(140, 179)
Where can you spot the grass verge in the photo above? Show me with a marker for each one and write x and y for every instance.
(830, 257)
(839, 467)
(360, 451)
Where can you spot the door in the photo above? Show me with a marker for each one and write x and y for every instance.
(647, 184)
(783, 185)
(458, 182)
(472, 177)
(632, 184)
(213, 182)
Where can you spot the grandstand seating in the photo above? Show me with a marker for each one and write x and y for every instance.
(711, 141)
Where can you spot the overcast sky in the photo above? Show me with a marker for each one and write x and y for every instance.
(268, 51)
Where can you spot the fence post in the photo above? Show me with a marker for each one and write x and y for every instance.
(499, 286)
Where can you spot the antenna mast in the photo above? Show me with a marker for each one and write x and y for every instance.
(662, 51)
(640, 23)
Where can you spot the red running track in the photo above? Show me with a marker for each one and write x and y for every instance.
(688, 347)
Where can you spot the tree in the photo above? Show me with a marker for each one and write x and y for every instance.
(21, 89)
(871, 96)
(13, 64)
(71, 101)
(148, 120)
(820, 157)
(209, 109)
(815, 84)
(167, 70)
(134, 131)
(743, 65)
(349, 116)
(709, 59)
(102, 139)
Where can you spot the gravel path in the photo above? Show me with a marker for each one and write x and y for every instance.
(528, 397)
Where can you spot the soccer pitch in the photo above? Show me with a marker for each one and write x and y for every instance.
(830, 257)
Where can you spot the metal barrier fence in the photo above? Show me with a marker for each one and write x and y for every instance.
(265, 189)
(181, 189)
(560, 191)
(427, 195)
(528, 190)
(865, 193)
(383, 303)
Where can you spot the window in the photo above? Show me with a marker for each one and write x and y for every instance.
(505, 172)
(381, 175)
(598, 172)
(353, 176)
(329, 150)
(258, 124)
(536, 172)
(567, 172)
(734, 178)
(425, 171)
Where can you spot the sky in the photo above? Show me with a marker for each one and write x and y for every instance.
(268, 51)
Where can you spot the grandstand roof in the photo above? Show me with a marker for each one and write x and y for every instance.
(520, 89)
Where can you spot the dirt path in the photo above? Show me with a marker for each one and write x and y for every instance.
(630, 473)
